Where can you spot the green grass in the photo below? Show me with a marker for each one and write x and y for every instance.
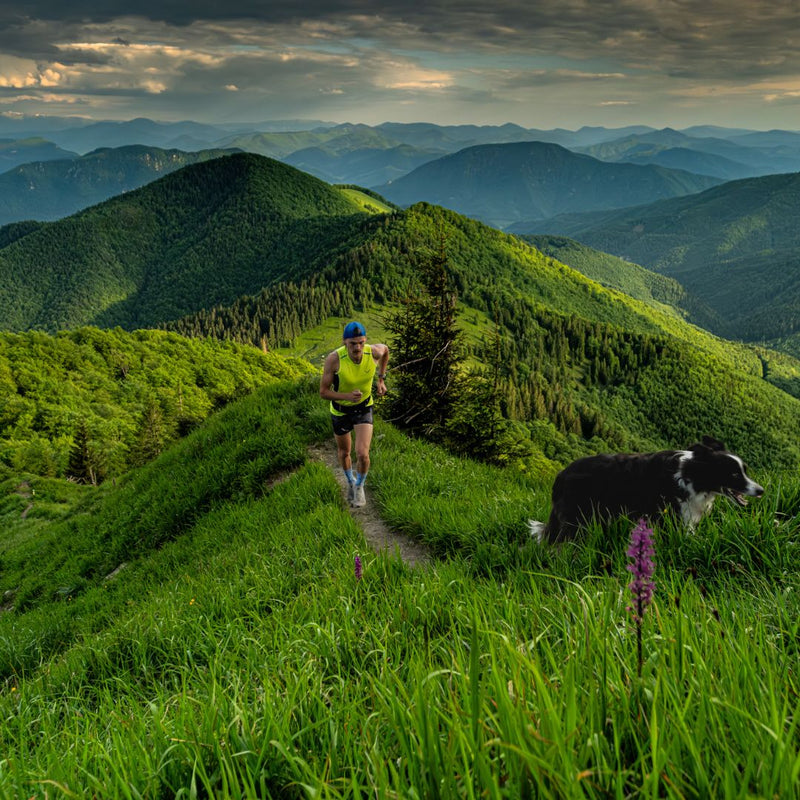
(368, 202)
(236, 655)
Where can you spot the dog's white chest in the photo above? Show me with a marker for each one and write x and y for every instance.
(695, 506)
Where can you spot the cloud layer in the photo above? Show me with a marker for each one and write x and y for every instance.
(542, 64)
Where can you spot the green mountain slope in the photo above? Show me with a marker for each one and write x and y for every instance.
(48, 190)
(573, 352)
(502, 184)
(613, 272)
(734, 247)
(624, 276)
(203, 235)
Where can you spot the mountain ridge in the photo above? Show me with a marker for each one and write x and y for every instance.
(501, 184)
(147, 247)
(50, 190)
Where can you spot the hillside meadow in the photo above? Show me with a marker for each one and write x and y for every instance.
(199, 630)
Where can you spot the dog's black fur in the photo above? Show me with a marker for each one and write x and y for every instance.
(644, 485)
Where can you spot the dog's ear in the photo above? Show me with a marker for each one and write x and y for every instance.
(700, 450)
(707, 446)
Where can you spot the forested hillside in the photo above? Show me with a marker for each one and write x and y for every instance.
(200, 236)
(734, 247)
(504, 183)
(90, 404)
(572, 352)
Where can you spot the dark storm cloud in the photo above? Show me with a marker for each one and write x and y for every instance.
(692, 38)
(473, 58)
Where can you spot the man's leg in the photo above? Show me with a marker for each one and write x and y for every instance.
(343, 447)
(363, 442)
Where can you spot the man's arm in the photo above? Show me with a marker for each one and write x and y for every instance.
(380, 352)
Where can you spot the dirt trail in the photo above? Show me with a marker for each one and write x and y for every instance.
(24, 490)
(378, 535)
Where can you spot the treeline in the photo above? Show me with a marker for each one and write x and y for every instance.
(89, 404)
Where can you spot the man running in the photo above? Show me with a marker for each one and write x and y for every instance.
(347, 382)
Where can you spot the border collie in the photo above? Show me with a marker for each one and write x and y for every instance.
(644, 485)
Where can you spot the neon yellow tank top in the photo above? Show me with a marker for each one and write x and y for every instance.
(354, 376)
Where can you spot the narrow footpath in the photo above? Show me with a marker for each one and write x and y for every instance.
(378, 535)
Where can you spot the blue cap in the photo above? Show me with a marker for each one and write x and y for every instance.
(353, 329)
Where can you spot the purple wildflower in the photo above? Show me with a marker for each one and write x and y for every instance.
(641, 553)
(642, 586)
(358, 568)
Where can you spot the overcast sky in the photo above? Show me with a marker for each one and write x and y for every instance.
(538, 63)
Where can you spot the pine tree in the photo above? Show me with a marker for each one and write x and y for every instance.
(427, 349)
(84, 462)
(152, 435)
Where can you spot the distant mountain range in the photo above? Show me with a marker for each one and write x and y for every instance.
(50, 190)
(373, 155)
(737, 156)
(735, 247)
(381, 155)
(502, 184)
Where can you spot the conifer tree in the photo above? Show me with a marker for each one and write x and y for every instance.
(427, 350)
(152, 434)
(84, 463)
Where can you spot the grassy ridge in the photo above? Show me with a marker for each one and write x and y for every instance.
(236, 655)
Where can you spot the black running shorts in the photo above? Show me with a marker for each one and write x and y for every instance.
(345, 423)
